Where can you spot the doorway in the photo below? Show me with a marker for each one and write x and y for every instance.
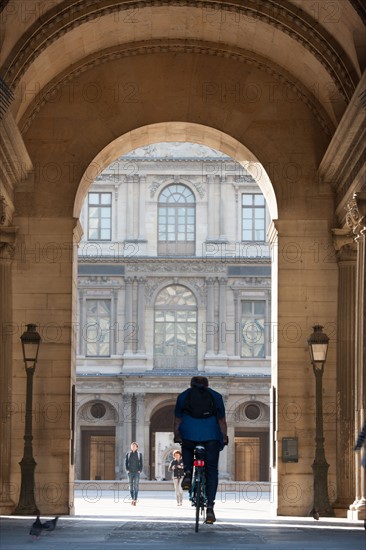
(98, 454)
(251, 457)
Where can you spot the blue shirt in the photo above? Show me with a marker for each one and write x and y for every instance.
(200, 429)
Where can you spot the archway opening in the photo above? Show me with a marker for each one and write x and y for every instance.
(140, 311)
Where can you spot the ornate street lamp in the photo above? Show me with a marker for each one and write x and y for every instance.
(318, 347)
(27, 506)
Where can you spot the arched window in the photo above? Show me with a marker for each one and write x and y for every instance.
(176, 221)
(175, 329)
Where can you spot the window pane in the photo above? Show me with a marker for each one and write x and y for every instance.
(105, 212)
(247, 200)
(246, 306)
(93, 198)
(93, 224)
(259, 307)
(259, 213)
(93, 212)
(106, 198)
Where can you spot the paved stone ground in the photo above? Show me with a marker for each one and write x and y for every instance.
(110, 522)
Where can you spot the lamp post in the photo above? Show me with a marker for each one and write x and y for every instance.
(318, 343)
(27, 506)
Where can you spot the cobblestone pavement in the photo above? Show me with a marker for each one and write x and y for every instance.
(157, 523)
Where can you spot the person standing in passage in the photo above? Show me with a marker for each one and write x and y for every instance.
(134, 465)
(176, 466)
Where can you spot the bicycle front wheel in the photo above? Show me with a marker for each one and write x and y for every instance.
(198, 503)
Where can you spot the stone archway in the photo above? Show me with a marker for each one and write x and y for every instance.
(284, 109)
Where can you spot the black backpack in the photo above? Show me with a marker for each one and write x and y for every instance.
(199, 403)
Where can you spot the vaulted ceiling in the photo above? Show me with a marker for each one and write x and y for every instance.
(316, 48)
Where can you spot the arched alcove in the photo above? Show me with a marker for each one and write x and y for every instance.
(162, 420)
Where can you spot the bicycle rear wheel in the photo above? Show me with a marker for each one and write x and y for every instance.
(198, 503)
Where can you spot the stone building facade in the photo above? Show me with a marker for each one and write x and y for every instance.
(177, 285)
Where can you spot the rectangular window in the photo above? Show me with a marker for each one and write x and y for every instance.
(97, 332)
(99, 216)
(253, 315)
(253, 217)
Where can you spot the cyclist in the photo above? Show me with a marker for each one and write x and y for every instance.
(200, 418)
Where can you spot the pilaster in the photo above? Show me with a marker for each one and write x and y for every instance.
(356, 221)
(346, 256)
(7, 240)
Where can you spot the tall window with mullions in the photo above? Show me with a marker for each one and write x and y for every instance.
(97, 331)
(253, 217)
(253, 328)
(99, 216)
(175, 329)
(176, 221)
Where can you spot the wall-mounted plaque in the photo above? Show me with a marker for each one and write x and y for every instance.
(290, 449)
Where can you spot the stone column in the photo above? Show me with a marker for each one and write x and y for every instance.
(140, 430)
(237, 304)
(127, 422)
(210, 316)
(222, 210)
(225, 455)
(222, 316)
(81, 342)
(128, 332)
(356, 221)
(141, 315)
(346, 255)
(120, 454)
(129, 209)
(7, 239)
(115, 235)
(210, 208)
(142, 200)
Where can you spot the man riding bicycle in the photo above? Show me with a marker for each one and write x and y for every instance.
(200, 418)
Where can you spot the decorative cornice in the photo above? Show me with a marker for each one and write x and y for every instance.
(289, 18)
(162, 267)
(179, 46)
(206, 263)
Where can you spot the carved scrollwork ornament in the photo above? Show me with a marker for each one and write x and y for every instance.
(355, 218)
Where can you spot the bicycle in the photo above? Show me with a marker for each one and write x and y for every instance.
(197, 493)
